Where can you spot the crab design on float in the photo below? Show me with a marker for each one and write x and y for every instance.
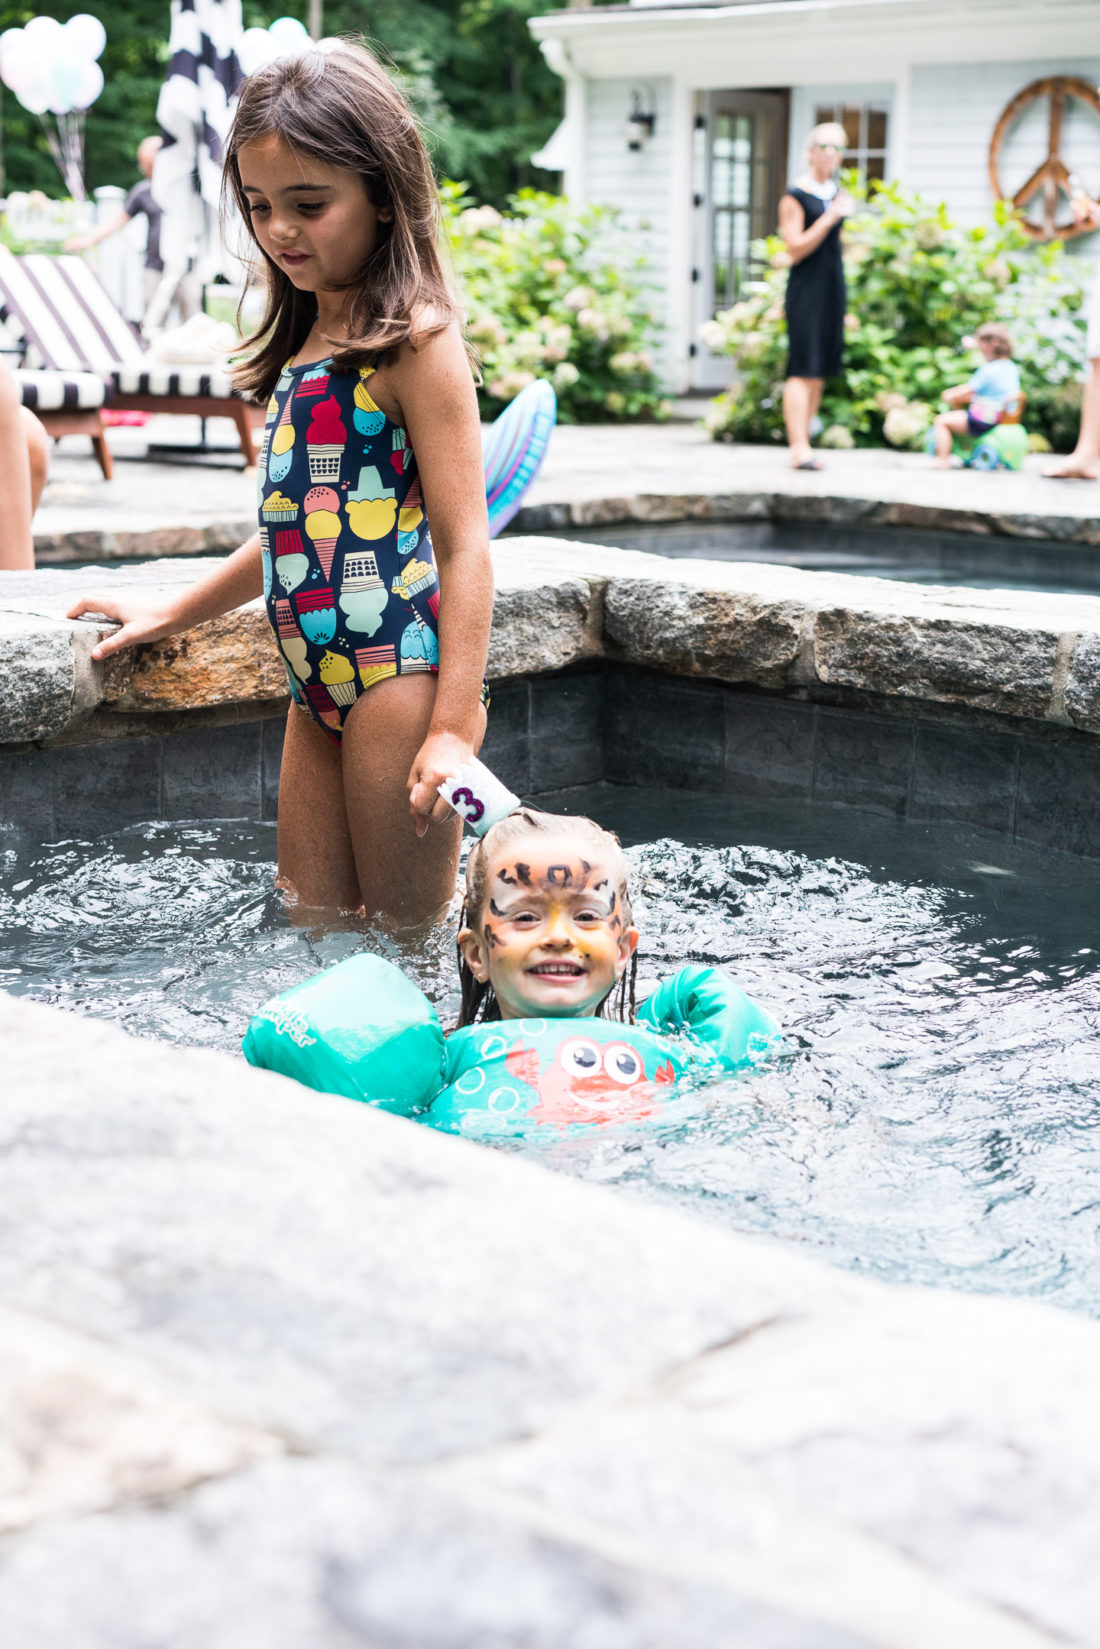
(586, 1082)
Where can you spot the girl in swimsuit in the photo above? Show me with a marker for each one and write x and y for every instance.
(372, 427)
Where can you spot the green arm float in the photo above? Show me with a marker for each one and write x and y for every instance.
(714, 1012)
(360, 1029)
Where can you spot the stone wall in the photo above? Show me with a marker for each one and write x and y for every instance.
(982, 706)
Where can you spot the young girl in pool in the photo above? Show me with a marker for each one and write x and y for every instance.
(549, 1037)
(372, 425)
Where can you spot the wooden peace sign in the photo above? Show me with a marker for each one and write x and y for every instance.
(1052, 176)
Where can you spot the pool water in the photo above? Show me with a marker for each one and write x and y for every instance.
(936, 1117)
(916, 557)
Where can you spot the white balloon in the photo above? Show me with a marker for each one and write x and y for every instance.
(36, 100)
(289, 35)
(17, 68)
(85, 35)
(91, 84)
(10, 40)
(44, 34)
(254, 49)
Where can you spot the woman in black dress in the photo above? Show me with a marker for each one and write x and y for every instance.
(811, 212)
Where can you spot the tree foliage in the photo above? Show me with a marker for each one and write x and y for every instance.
(471, 68)
(918, 284)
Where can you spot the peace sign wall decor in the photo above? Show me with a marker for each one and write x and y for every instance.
(1052, 176)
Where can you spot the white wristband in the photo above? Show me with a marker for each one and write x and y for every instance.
(478, 796)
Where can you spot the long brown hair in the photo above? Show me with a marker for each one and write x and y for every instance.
(478, 997)
(338, 105)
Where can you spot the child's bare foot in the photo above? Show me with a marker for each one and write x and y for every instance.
(1073, 469)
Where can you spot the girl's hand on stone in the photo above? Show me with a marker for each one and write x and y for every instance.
(138, 623)
(439, 757)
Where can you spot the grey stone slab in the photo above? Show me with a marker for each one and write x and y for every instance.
(39, 676)
(84, 1429)
(26, 790)
(507, 745)
(967, 776)
(944, 658)
(273, 731)
(330, 1272)
(1082, 694)
(1058, 801)
(863, 761)
(661, 732)
(311, 1555)
(769, 746)
(215, 774)
(567, 714)
(699, 622)
(99, 787)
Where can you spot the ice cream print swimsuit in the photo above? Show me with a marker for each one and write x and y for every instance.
(349, 572)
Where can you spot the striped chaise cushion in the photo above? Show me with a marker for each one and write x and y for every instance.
(60, 391)
(68, 324)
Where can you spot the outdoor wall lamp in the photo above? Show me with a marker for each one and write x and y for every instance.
(641, 122)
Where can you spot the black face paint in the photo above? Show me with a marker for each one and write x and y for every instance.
(559, 876)
(490, 937)
(523, 873)
(615, 925)
(611, 907)
(494, 907)
(510, 881)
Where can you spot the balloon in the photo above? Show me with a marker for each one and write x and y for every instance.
(10, 40)
(66, 76)
(18, 69)
(44, 34)
(254, 50)
(91, 84)
(36, 101)
(288, 35)
(85, 35)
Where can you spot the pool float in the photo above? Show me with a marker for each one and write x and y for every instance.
(515, 446)
(362, 1029)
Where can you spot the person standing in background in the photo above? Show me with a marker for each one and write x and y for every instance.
(811, 212)
(1083, 463)
(141, 203)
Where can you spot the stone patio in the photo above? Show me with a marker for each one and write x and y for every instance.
(591, 474)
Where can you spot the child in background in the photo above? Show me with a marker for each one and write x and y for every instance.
(548, 1037)
(372, 425)
(987, 395)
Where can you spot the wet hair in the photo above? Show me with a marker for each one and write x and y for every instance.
(478, 998)
(998, 336)
(337, 105)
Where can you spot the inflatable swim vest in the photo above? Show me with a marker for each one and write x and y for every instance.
(362, 1029)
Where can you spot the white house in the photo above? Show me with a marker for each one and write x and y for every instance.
(723, 92)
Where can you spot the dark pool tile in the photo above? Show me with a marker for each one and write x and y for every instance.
(862, 761)
(769, 747)
(215, 773)
(965, 775)
(99, 787)
(659, 730)
(507, 746)
(26, 790)
(566, 731)
(273, 731)
(1058, 799)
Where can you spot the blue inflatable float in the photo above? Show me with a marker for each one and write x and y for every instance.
(515, 446)
(362, 1029)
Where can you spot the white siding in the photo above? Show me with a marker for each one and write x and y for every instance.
(953, 110)
(639, 183)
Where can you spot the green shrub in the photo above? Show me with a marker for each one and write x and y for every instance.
(917, 285)
(555, 292)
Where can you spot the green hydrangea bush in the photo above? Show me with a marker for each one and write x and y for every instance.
(553, 291)
(918, 284)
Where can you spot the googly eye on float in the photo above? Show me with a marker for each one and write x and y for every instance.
(580, 1056)
(622, 1064)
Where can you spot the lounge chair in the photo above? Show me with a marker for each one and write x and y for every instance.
(70, 328)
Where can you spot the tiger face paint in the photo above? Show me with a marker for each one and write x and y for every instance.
(550, 940)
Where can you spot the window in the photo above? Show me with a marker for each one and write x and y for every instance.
(865, 124)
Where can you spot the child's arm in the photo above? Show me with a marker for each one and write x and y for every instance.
(959, 395)
(715, 1011)
(435, 391)
(239, 578)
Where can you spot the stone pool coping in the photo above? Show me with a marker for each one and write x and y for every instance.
(278, 1368)
(1006, 654)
